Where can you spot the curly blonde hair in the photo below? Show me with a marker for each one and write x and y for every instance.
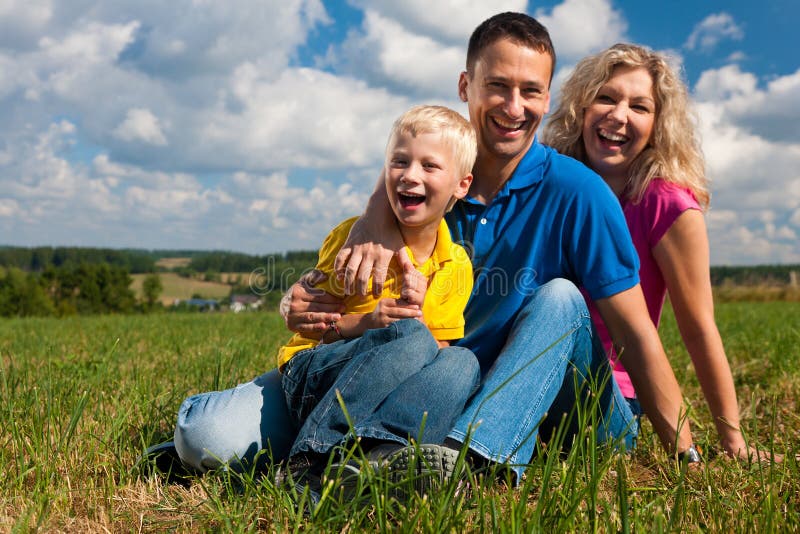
(673, 152)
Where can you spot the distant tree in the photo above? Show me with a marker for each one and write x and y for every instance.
(22, 294)
(151, 289)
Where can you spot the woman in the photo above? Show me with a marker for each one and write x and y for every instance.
(625, 113)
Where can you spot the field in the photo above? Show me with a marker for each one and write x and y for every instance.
(179, 287)
(81, 397)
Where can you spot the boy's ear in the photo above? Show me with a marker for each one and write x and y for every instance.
(463, 186)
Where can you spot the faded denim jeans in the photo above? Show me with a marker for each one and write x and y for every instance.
(394, 382)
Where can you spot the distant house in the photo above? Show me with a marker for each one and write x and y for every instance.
(244, 302)
(201, 304)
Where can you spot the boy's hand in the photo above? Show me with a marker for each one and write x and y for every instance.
(309, 311)
(390, 310)
(415, 284)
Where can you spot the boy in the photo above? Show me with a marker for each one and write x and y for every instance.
(389, 358)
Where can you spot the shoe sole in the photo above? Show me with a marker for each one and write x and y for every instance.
(425, 466)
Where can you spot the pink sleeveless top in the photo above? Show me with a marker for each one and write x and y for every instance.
(663, 202)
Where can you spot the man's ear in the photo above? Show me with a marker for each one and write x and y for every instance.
(463, 80)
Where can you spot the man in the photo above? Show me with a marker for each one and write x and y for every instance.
(533, 218)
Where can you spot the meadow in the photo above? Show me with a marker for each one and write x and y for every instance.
(81, 397)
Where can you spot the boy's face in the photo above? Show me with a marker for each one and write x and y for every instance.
(422, 178)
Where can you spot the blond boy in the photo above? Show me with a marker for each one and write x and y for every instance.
(389, 357)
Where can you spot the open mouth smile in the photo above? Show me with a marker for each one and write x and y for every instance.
(410, 200)
(611, 138)
(508, 126)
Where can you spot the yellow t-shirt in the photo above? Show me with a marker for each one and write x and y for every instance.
(449, 274)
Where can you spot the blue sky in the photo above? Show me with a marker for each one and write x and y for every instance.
(256, 125)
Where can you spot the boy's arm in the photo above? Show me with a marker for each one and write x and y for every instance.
(386, 312)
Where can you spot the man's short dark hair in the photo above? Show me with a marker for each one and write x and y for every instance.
(518, 27)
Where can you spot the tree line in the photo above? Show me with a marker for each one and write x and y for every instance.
(67, 290)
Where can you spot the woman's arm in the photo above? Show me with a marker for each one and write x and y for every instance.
(683, 258)
(639, 348)
(369, 248)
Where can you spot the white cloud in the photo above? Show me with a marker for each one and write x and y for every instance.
(755, 177)
(450, 21)
(141, 125)
(9, 207)
(772, 112)
(305, 118)
(21, 22)
(713, 29)
(580, 27)
(388, 53)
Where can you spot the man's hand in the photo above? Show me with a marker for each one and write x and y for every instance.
(309, 311)
(369, 248)
(390, 310)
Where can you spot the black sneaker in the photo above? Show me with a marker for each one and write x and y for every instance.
(426, 465)
(163, 460)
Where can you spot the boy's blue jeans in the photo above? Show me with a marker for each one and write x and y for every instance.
(234, 424)
(394, 382)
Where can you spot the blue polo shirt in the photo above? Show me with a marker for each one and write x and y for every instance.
(554, 218)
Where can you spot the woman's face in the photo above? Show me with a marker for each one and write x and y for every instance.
(618, 123)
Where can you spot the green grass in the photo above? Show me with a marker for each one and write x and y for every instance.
(81, 397)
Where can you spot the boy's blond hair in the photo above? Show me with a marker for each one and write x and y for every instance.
(456, 132)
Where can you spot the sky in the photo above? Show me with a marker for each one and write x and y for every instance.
(257, 125)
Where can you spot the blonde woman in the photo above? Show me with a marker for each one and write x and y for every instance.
(625, 113)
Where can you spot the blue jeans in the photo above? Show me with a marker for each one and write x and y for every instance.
(394, 382)
(550, 356)
(233, 425)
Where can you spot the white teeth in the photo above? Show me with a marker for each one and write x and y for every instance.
(612, 136)
(509, 125)
(409, 194)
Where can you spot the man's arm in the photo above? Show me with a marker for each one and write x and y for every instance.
(369, 248)
(309, 311)
(640, 351)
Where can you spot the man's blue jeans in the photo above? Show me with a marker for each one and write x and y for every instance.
(531, 386)
(395, 383)
(226, 426)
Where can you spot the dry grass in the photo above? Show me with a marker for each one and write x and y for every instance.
(173, 263)
(178, 287)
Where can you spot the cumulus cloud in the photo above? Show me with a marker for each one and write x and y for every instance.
(754, 167)
(580, 27)
(141, 125)
(713, 29)
(388, 54)
(772, 112)
(450, 22)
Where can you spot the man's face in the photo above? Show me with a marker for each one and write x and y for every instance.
(507, 95)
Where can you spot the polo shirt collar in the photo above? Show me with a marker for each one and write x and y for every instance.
(529, 171)
(442, 251)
